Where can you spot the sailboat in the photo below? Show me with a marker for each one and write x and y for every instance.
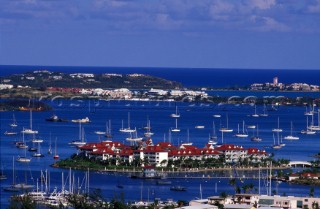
(176, 129)
(309, 113)
(134, 136)
(276, 146)
(212, 141)
(49, 150)
(291, 136)
(308, 131)
(12, 187)
(29, 130)
(281, 143)
(176, 114)
(38, 153)
(13, 125)
(255, 112)
(214, 135)
(33, 148)
(243, 134)
(148, 133)
(24, 159)
(22, 144)
(2, 175)
(14, 122)
(264, 114)
(108, 132)
(312, 127)
(278, 129)
(56, 156)
(188, 143)
(226, 129)
(36, 139)
(10, 133)
(256, 138)
(102, 132)
(127, 130)
(81, 140)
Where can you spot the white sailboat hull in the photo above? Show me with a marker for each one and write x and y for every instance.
(308, 132)
(134, 139)
(290, 137)
(225, 130)
(314, 128)
(23, 160)
(127, 130)
(29, 131)
(242, 135)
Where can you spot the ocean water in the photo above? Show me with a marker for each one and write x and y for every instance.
(191, 77)
(192, 114)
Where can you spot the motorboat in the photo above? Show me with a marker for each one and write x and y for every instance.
(83, 120)
(178, 188)
(55, 118)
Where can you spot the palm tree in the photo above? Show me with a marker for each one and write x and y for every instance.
(163, 163)
(315, 205)
(311, 194)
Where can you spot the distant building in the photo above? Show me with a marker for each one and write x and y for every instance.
(6, 86)
(275, 81)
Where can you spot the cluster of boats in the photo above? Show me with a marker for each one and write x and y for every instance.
(35, 140)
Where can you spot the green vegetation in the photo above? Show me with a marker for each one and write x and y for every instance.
(26, 104)
(44, 79)
(86, 201)
(80, 161)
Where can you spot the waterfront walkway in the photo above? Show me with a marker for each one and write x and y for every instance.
(197, 170)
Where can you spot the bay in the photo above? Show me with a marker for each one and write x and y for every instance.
(192, 115)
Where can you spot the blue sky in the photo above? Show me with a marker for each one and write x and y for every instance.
(268, 34)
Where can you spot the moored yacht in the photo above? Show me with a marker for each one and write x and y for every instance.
(291, 136)
(127, 130)
(83, 120)
(256, 137)
(243, 134)
(176, 114)
(308, 131)
(278, 129)
(23, 159)
(176, 129)
(226, 129)
(29, 130)
(81, 140)
(10, 133)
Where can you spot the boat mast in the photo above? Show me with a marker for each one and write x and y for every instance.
(128, 120)
(30, 119)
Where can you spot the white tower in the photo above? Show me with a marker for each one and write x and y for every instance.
(275, 81)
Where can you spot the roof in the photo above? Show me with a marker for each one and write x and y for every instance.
(256, 151)
(184, 152)
(207, 151)
(309, 175)
(103, 151)
(165, 145)
(226, 147)
(151, 149)
(101, 145)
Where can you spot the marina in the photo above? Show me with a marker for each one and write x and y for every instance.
(118, 110)
(160, 104)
